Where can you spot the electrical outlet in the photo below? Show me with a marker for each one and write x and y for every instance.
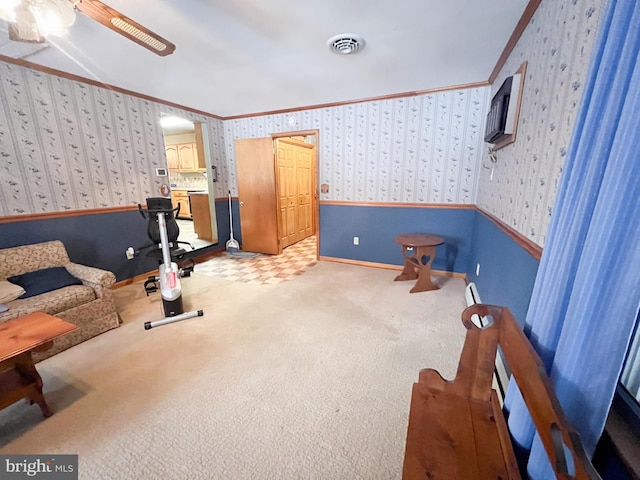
(356, 240)
(477, 269)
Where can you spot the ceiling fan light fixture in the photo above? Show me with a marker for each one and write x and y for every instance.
(8, 9)
(346, 43)
(32, 20)
(53, 17)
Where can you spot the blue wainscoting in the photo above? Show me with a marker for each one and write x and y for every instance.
(97, 240)
(507, 271)
(377, 226)
(101, 239)
(222, 219)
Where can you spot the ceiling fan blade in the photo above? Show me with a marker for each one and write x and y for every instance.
(117, 22)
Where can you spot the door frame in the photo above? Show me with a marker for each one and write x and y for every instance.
(211, 174)
(316, 165)
(202, 145)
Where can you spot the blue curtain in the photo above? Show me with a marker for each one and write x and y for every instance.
(587, 291)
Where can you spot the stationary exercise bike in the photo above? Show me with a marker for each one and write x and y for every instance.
(163, 231)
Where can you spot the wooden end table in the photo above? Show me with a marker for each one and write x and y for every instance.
(418, 250)
(18, 338)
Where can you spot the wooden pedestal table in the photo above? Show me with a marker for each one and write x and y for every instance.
(418, 250)
(18, 338)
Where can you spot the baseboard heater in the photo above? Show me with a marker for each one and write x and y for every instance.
(501, 372)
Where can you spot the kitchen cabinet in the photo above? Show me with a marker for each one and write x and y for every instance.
(173, 159)
(201, 214)
(187, 154)
(183, 157)
(181, 197)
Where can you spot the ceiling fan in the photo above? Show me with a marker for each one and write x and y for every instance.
(32, 20)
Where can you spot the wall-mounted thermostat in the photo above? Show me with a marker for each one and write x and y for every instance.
(161, 172)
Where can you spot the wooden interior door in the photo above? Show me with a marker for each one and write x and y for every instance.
(286, 188)
(294, 162)
(257, 194)
(305, 164)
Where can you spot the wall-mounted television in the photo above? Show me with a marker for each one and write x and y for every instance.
(501, 119)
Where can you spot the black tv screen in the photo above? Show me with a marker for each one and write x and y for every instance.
(497, 117)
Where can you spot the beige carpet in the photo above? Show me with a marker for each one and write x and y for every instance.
(305, 379)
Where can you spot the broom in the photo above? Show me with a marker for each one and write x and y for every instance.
(232, 245)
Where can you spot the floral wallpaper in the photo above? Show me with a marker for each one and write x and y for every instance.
(423, 149)
(520, 188)
(66, 145)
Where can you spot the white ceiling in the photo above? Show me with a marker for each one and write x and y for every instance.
(241, 57)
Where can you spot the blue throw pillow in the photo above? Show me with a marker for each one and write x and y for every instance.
(43, 281)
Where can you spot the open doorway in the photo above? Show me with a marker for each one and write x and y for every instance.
(295, 159)
(188, 162)
(277, 189)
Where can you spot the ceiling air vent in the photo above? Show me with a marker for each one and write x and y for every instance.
(346, 43)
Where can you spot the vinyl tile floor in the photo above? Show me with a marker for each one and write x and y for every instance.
(263, 269)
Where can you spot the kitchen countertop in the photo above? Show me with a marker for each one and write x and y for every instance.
(189, 190)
